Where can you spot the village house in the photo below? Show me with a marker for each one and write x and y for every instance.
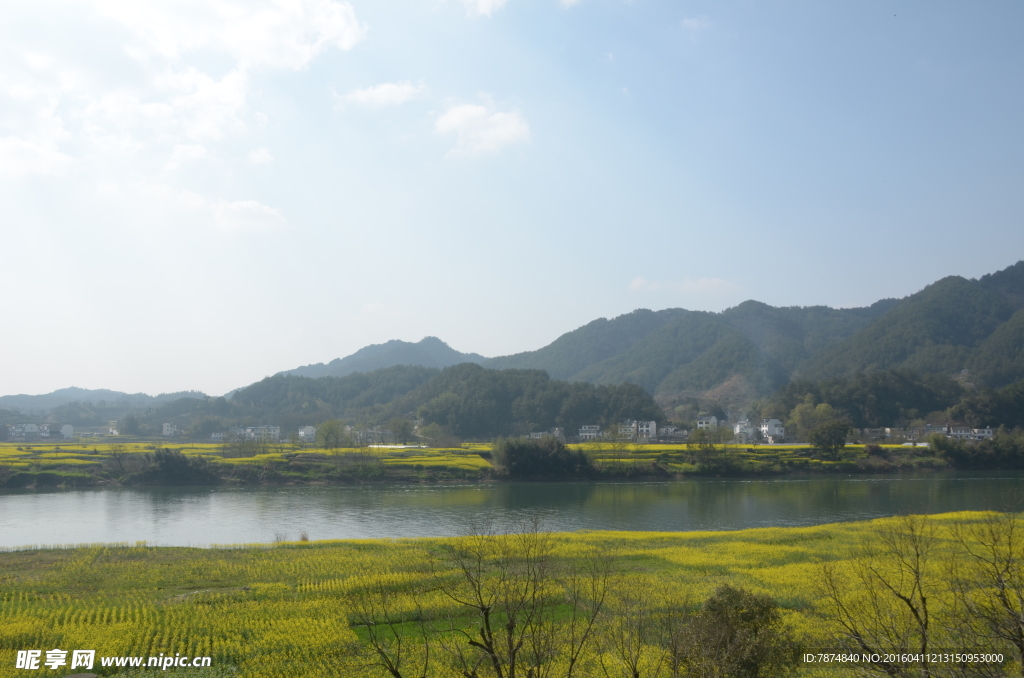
(744, 431)
(639, 430)
(263, 433)
(773, 431)
(589, 432)
(307, 434)
(28, 432)
(707, 423)
(170, 430)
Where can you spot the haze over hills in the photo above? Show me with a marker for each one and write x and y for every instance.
(733, 358)
(39, 404)
(427, 352)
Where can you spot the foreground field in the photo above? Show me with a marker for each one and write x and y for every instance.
(295, 609)
(68, 464)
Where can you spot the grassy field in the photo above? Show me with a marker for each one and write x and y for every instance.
(76, 464)
(285, 609)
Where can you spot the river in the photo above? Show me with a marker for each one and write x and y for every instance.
(206, 516)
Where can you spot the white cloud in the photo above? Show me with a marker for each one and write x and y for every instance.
(484, 7)
(385, 94)
(184, 153)
(260, 156)
(481, 129)
(247, 215)
(162, 104)
(688, 285)
(695, 24)
(274, 33)
(22, 156)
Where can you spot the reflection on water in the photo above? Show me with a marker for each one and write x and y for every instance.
(201, 516)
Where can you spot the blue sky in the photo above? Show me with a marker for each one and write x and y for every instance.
(198, 194)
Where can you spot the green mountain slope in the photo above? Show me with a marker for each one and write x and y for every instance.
(933, 331)
(428, 352)
(467, 400)
(598, 340)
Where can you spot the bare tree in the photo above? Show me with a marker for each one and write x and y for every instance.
(505, 581)
(398, 642)
(630, 642)
(988, 582)
(882, 601)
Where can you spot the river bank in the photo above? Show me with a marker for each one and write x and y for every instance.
(152, 464)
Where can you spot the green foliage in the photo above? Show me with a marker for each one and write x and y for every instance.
(871, 400)
(473, 402)
(1005, 450)
(829, 437)
(1003, 407)
(520, 458)
(934, 330)
(171, 467)
(739, 633)
(330, 435)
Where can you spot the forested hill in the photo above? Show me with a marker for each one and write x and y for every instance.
(104, 398)
(428, 352)
(466, 401)
(753, 349)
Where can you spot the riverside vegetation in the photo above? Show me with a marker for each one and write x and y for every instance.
(248, 462)
(748, 603)
(70, 465)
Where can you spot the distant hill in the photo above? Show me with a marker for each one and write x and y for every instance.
(949, 326)
(427, 352)
(42, 404)
(465, 400)
(750, 350)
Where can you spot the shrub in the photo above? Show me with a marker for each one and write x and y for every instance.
(171, 467)
(739, 633)
(544, 458)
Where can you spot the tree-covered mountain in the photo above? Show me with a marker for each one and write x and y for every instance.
(751, 350)
(465, 400)
(427, 352)
(42, 404)
(941, 329)
(599, 340)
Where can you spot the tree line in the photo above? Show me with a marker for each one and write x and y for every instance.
(463, 401)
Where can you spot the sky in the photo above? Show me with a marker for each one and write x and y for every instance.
(195, 194)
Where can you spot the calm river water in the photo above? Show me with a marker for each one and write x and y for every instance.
(203, 516)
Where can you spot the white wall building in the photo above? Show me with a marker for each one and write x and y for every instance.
(744, 431)
(705, 422)
(307, 434)
(773, 431)
(170, 430)
(590, 432)
(67, 431)
(263, 433)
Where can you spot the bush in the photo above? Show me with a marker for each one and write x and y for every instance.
(544, 458)
(171, 467)
(739, 633)
(1003, 451)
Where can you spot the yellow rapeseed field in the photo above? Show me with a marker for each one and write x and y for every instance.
(285, 609)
